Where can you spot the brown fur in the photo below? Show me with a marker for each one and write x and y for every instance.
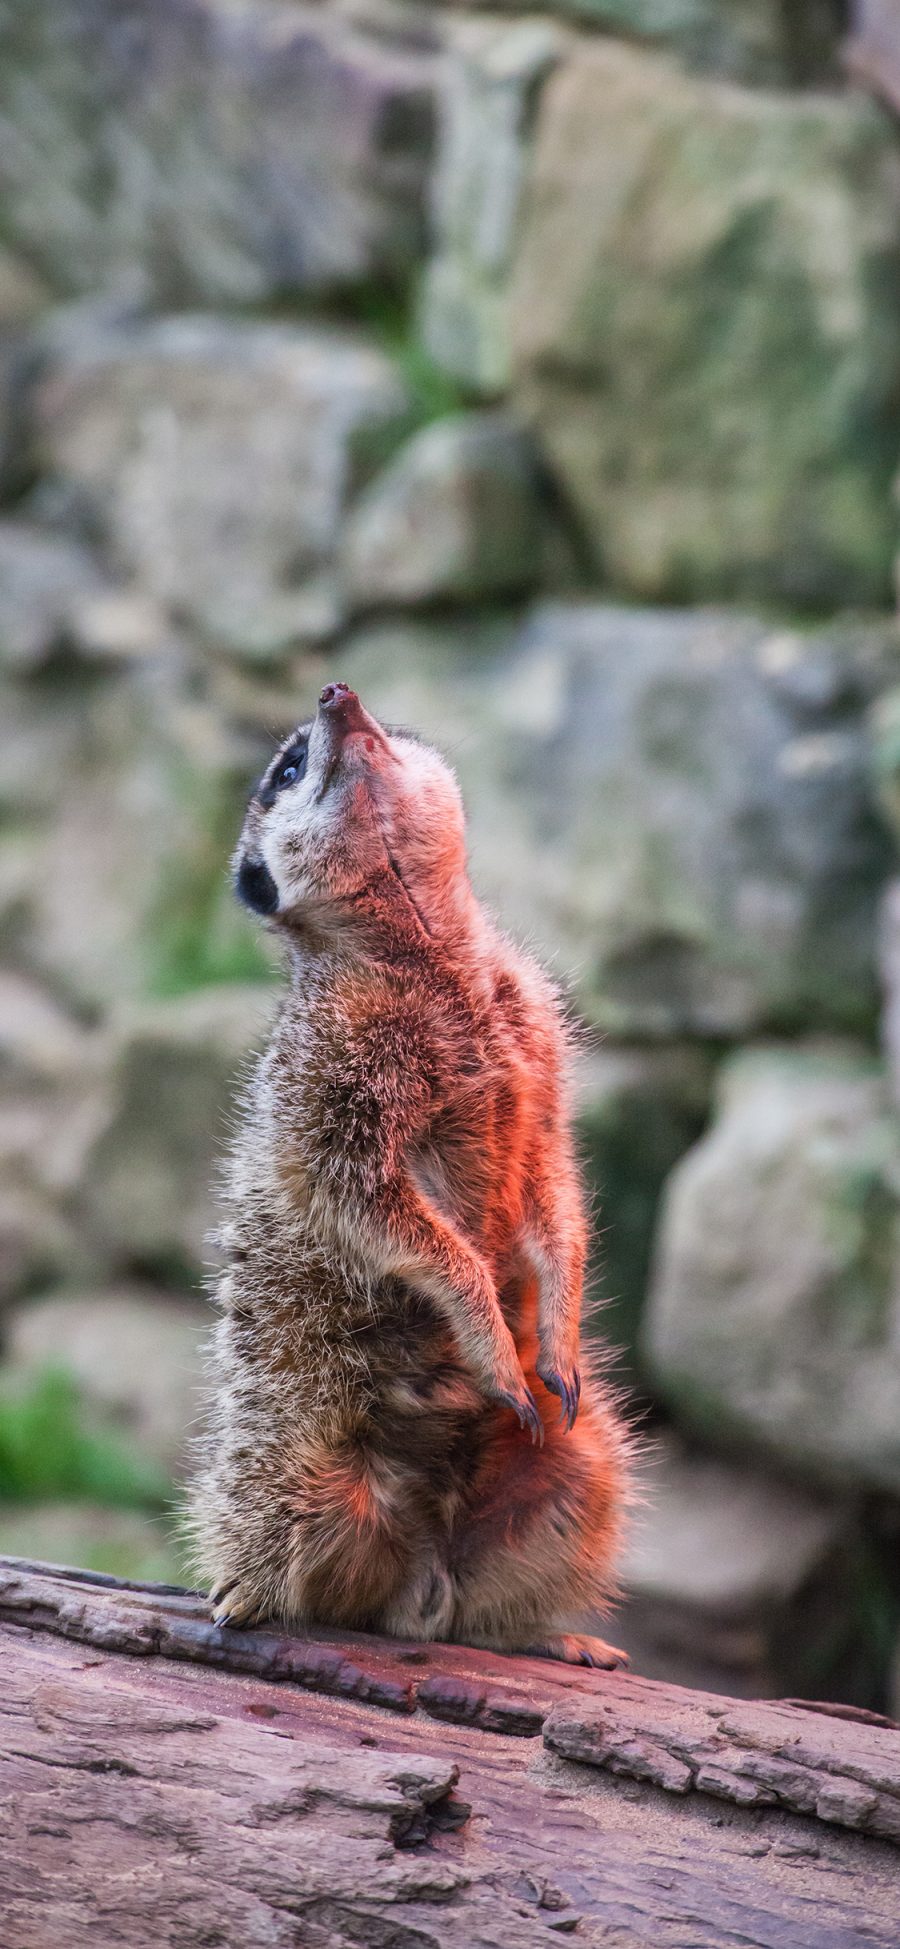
(404, 1241)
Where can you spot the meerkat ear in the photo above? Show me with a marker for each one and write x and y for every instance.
(255, 886)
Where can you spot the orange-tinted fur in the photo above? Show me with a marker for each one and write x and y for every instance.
(404, 1241)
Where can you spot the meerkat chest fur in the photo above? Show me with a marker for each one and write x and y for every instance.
(377, 1073)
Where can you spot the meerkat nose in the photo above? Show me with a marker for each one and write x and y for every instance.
(341, 707)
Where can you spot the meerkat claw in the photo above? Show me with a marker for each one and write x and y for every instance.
(571, 1648)
(532, 1419)
(529, 1418)
(233, 1609)
(221, 1591)
(602, 1656)
(569, 1391)
(525, 1408)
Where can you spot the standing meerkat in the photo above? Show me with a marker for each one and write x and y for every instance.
(408, 1435)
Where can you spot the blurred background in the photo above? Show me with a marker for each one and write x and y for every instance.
(537, 373)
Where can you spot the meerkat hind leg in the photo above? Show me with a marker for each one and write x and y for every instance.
(537, 1545)
(424, 1606)
(573, 1648)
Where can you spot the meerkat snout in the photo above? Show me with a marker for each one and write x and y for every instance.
(339, 700)
(343, 714)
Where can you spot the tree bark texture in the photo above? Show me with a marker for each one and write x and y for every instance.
(168, 1783)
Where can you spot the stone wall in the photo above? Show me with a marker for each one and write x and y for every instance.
(537, 372)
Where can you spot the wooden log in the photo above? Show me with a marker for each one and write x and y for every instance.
(164, 1782)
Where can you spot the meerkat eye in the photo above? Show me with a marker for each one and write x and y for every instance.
(292, 769)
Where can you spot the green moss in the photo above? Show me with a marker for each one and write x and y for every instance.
(196, 946)
(432, 393)
(863, 1221)
(885, 756)
(156, 1560)
(48, 1449)
(137, 1545)
(844, 1651)
(693, 1404)
(197, 934)
(629, 1145)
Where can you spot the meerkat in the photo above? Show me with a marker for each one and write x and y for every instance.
(408, 1434)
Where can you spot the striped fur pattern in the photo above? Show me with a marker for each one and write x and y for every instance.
(408, 1435)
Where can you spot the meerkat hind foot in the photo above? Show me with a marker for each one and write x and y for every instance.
(234, 1605)
(571, 1648)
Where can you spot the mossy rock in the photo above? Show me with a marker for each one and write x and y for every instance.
(705, 321)
(771, 1320)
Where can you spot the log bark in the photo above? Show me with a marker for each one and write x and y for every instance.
(165, 1782)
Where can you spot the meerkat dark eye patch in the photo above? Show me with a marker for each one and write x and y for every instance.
(256, 887)
(288, 771)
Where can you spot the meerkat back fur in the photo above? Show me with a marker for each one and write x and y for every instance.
(408, 1434)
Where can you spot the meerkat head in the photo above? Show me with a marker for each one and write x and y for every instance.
(347, 805)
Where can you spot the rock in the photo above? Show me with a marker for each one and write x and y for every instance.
(889, 969)
(673, 806)
(638, 1111)
(22, 298)
(884, 744)
(118, 626)
(268, 700)
(54, 1084)
(214, 457)
(872, 53)
(492, 82)
(37, 1243)
(884, 724)
(761, 41)
(133, 1355)
(149, 1195)
(223, 153)
(772, 1318)
(80, 848)
(455, 517)
(23, 295)
(121, 1542)
(118, 884)
(704, 318)
(44, 582)
(52, 1104)
(192, 932)
(736, 1582)
(39, 1042)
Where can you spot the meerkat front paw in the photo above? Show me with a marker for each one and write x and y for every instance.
(566, 1382)
(523, 1403)
(234, 1604)
(505, 1381)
